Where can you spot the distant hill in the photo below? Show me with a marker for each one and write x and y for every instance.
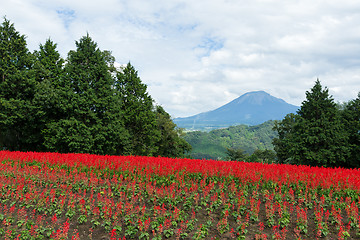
(213, 144)
(252, 108)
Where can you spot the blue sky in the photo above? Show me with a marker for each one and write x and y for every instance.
(198, 55)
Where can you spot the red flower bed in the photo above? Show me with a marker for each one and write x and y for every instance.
(83, 196)
(248, 172)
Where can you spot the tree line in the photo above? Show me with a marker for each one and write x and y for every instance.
(81, 104)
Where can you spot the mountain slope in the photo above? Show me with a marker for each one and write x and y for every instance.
(213, 144)
(252, 108)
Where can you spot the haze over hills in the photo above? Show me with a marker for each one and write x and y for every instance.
(252, 108)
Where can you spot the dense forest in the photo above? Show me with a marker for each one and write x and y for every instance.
(81, 104)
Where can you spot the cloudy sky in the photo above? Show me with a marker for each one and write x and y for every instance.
(198, 55)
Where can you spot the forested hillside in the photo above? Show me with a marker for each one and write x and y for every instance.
(214, 144)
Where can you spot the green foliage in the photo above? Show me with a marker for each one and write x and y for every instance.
(214, 144)
(17, 88)
(316, 135)
(263, 156)
(49, 64)
(236, 154)
(351, 116)
(285, 140)
(171, 142)
(89, 117)
(137, 106)
(48, 69)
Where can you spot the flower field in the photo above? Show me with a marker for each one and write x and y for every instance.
(83, 196)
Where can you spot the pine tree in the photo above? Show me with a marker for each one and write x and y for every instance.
(48, 70)
(138, 109)
(49, 65)
(322, 132)
(316, 136)
(17, 89)
(351, 116)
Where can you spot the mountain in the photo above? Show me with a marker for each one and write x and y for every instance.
(252, 108)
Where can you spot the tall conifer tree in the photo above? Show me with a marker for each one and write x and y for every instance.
(48, 71)
(17, 88)
(318, 136)
(351, 116)
(139, 116)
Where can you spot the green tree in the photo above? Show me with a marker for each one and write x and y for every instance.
(48, 70)
(17, 89)
(237, 154)
(171, 142)
(351, 116)
(317, 135)
(49, 64)
(91, 118)
(263, 156)
(285, 143)
(138, 109)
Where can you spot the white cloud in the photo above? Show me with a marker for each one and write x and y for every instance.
(196, 56)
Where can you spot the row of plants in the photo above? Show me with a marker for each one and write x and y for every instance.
(83, 196)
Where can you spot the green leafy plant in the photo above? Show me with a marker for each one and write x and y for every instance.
(82, 219)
